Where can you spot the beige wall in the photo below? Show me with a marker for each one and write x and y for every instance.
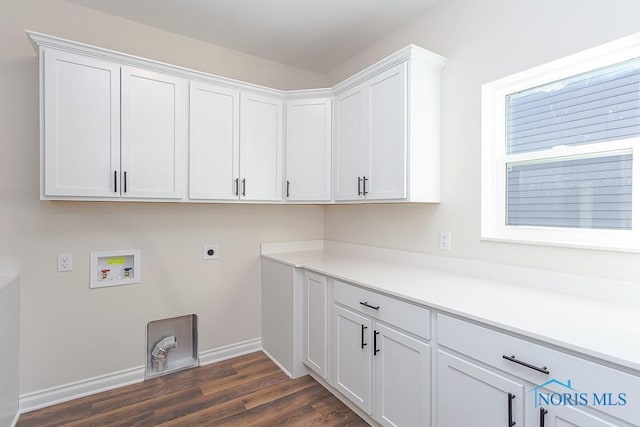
(483, 40)
(69, 332)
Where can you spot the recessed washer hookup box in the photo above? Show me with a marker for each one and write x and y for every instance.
(172, 345)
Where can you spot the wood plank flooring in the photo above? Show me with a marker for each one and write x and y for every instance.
(246, 391)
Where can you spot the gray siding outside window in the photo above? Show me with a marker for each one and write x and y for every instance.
(600, 105)
(592, 192)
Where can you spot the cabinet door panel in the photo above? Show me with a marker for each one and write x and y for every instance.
(81, 125)
(309, 149)
(214, 142)
(403, 380)
(566, 416)
(260, 147)
(349, 127)
(469, 395)
(316, 322)
(353, 364)
(152, 134)
(385, 157)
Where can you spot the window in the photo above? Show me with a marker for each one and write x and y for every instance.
(561, 151)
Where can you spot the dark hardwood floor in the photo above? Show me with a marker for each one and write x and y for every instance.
(246, 391)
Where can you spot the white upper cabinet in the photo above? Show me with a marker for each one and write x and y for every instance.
(81, 104)
(349, 143)
(385, 151)
(260, 147)
(371, 139)
(153, 136)
(308, 150)
(115, 126)
(214, 142)
(235, 144)
(387, 130)
(111, 131)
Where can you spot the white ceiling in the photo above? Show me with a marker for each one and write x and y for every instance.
(315, 35)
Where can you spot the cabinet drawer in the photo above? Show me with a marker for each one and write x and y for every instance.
(404, 315)
(605, 389)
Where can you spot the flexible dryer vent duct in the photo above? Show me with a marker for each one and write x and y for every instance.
(160, 352)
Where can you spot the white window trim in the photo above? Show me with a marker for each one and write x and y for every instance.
(493, 155)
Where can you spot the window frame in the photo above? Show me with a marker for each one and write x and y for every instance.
(494, 158)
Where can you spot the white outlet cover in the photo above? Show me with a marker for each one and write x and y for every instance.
(65, 262)
(445, 240)
(216, 251)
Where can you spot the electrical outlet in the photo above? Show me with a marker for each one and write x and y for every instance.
(445, 240)
(65, 262)
(211, 252)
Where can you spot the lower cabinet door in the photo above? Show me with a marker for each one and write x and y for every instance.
(315, 322)
(402, 379)
(352, 348)
(469, 395)
(564, 416)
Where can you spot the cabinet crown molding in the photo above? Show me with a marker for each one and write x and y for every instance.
(410, 52)
(39, 41)
(426, 57)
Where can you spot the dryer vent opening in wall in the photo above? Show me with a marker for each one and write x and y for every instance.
(172, 345)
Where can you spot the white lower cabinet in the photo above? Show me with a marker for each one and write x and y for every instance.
(377, 352)
(402, 379)
(315, 323)
(565, 416)
(352, 356)
(380, 368)
(469, 395)
(282, 334)
(478, 368)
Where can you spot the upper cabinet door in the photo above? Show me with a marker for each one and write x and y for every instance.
(350, 122)
(385, 157)
(214, 142)
(308, 150)
(81, 129)
(153, 134)
(260, 147)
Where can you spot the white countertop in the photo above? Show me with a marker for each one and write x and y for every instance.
(594, 317)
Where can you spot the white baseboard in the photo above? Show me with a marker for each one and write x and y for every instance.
(64, 393)
(277, 363)
(15, 420)
(59, 394)
(229, 351)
